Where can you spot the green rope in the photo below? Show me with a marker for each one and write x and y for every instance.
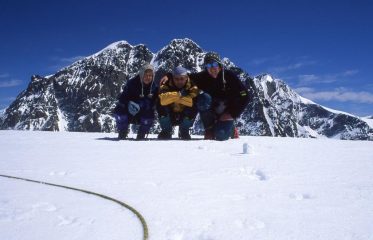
(138, 215)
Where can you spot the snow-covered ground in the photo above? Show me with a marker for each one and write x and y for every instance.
(284, 188)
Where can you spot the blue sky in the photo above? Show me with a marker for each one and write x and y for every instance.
(323, 49)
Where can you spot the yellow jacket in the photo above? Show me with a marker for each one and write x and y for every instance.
(170, 95)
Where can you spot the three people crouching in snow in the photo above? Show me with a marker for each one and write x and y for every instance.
(215, 93)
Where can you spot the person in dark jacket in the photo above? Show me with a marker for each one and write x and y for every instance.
(176, 104)
(222, 98)
(136, 104)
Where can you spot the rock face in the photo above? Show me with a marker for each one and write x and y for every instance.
(81, 97)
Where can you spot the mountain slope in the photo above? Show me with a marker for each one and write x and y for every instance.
(81, 97)
(277, 110)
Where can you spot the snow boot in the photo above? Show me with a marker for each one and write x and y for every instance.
(164, 135)
(184, 134)
(140, 135)
(209, 134)
(184, 127)
(235, 133)
(122, 135)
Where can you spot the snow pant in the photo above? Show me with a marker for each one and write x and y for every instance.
(144, 118)
(222, 129)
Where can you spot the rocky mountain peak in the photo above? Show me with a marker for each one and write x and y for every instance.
(179, 52)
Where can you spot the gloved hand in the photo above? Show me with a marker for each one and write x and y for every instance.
(226, 117)
(163, 80)
(133, 108)
(220, 107)
(183, 92)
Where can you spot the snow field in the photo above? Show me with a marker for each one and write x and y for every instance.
(284, 188)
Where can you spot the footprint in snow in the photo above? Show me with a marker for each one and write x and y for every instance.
(300, 196)
(44, 206)
(254, 174)
(10, 214)
(202, 147)
(252, 224)
(63, 221)
(60, 173)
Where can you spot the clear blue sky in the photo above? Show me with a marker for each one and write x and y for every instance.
(323, 49)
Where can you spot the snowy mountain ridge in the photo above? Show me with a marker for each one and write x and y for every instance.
(80, 97)
(369, 120)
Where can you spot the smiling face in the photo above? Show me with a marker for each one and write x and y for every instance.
(213, 69)
(180, 81)
(148, 77)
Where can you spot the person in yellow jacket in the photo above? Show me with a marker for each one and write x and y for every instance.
(176, 105)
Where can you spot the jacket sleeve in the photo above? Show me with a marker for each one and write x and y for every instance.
(188, 99)
(167, 98)
(238, 97)
(121, 107)
(124, 97)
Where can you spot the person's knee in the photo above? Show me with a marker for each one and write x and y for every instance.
(165, 122)
(146, 123)
(121, 121)
(223, 130)
(221, 135)
(186, 123)
(204, 101)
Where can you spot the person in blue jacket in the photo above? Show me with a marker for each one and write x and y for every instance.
(136, 104)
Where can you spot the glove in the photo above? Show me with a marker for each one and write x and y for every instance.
(183, 92)
(133, 108)
(220, 107)
(163, 80)
(226, 117)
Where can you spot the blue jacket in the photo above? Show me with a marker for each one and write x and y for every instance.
(144, 95)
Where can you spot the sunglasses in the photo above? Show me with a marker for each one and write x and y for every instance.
(213, 64)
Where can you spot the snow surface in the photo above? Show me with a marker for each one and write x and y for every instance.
(337, 111)
(368, 120)
(284, 188)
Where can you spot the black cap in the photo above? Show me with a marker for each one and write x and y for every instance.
(212, 57)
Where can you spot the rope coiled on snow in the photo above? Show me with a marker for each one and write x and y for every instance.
(137, 213)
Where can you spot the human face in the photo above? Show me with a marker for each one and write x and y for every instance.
(148, 77)
(213, 69)
(180, 81)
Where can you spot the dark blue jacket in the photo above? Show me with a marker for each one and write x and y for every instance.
(145, 96)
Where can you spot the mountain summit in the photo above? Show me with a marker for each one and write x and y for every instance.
(80, 97)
